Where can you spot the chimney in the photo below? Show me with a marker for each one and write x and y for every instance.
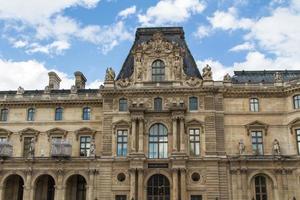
(54, 81)
(80, 80)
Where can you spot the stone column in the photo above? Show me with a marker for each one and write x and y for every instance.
(91, 185)
(132, 184)
(133, 135)
(28, 190)
(175, 184)
(1, 192)
(175, 135)
(59, 187)
(140, 184)
(182, 138)
(183, 183)
(141, 135)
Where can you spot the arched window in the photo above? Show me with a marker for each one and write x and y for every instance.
(158, 104)
(158, 187)
(254, 105)
(158, 141)
(30, 114)
(123, 105)
(86, 113)
(260, 188)
(58, 113)
(296, 101)
(193, 103)
(4, 115)
(158, 71)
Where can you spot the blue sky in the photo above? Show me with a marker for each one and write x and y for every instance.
(38, 36)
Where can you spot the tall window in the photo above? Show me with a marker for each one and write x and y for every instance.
(158, 71)
(193, 103)
(158, 104)
(260, 188)
(58, 113)
(195, 142)
(85, 145)
(121, 197)
(297, 101)
(26, 147)
(30, 114)
(123, 105)
(3, 139)
(196, 197)
(257, 143)
(4, 114)
(122, 143)
(86, 113)
(158, 141)
(298, 139)
(254, 105)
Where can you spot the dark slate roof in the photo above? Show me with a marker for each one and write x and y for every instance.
(254, 77)
(173, 34)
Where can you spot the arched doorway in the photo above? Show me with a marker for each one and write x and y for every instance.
(76, 188)
(44, 188)
(13, 187)
(158, 188)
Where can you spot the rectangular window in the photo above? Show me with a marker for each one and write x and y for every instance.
(26, 147)
(85, 145)
(158, 104)
(193, 103)
(254, 105)
(298, 139)
(297, 101)
(3, 115)
(196, 197)
(257, 143)
(123, 105)
(121, 197)
(195, 142)
(122, 143)
(58, 114)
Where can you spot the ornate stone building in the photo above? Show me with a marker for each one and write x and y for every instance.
(159, 130)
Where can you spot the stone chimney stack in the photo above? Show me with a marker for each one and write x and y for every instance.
(80, 80)
(54, 81)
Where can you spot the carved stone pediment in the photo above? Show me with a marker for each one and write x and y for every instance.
(29, 132)
(85, 131)
(194, 122)
(121, 124)
(257, 125)
(57, 131)
(5, 132)
(293, 124)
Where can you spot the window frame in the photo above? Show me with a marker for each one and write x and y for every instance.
(3, 138)
(257, 143)
(58, 116)
(86, 149)
(158, 141)
(86, 113)
(194, 142)
(31, 112)
(196, 108)
(123, 134)
(196, 196)
(158, 104)
(4, 115)
(297, 134)
(260, 186)
(155, 75)
(254, 104)
(24, 145)
(121, 197)
(123, 105)
(296, 101)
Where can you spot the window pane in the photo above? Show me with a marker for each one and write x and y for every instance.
(193, 103)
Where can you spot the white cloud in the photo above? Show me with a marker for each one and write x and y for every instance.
(167, 12)
(229, 20)
(127, 12)
(202, 32)
(56, 47)
(243, 47)
(32, 74)
(20, 43)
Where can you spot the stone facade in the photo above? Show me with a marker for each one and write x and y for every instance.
(158, 130)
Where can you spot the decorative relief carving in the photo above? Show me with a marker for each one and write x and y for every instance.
(124, 82)
(120, 176)
(193, 81)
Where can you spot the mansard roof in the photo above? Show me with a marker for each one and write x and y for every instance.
(172, 34)
(254, 77)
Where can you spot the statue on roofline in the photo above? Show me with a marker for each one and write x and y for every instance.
(110, 74)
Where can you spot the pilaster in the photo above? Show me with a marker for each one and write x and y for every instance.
(140, 184)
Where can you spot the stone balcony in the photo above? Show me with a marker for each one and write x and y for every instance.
(61, 148)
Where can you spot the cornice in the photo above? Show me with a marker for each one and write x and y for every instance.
(52, 102)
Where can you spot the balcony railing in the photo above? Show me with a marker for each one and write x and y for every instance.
(6, 149)
(61, 148)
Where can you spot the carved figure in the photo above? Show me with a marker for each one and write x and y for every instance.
(73, 89)
(278, 77)
(207, 73)
(110, 74)
(93, 148)
(276, 147)
(20, 90)
(227, 78)
(241, 147)
(31, 148)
